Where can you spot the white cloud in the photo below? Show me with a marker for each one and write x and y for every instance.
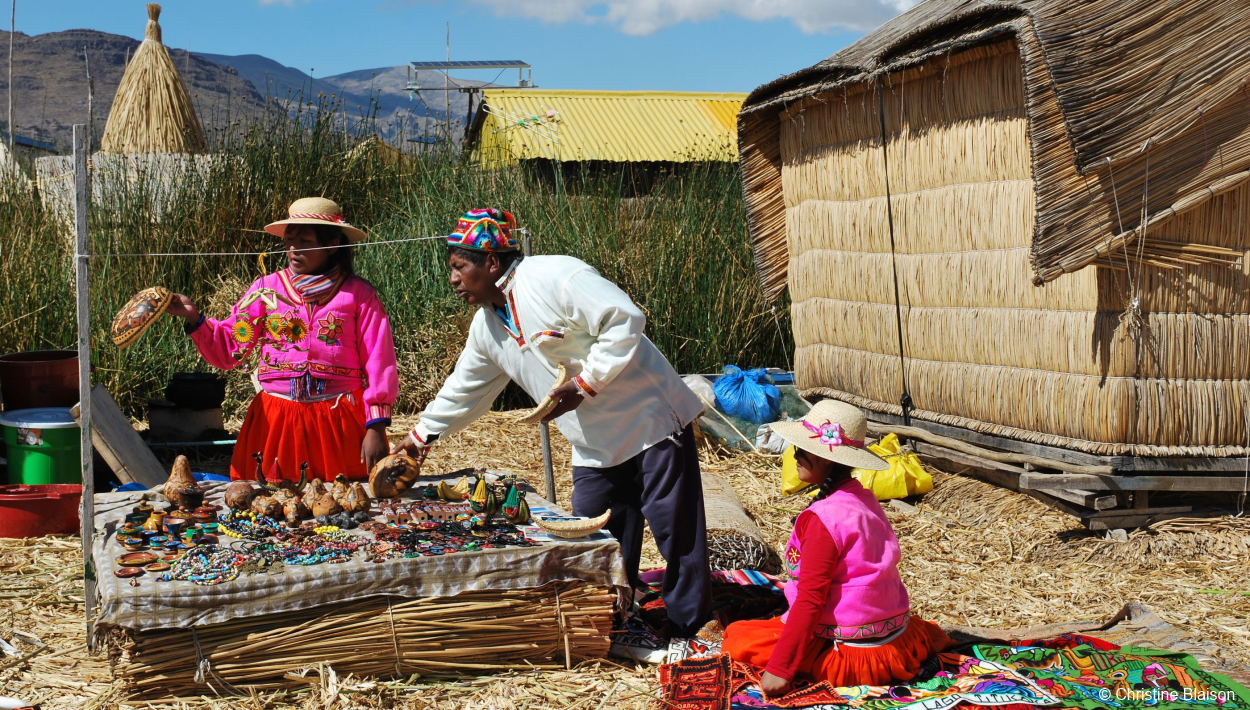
(643, 17)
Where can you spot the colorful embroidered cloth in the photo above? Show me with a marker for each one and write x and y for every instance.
(1070, 671)
(736, 595)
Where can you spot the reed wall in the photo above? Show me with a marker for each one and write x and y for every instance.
(983, 346)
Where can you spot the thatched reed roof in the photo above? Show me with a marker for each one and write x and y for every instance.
(1111, 86)
(152, 112)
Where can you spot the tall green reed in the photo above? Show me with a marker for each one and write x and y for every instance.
(680, 251)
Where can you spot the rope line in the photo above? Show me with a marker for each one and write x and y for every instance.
(266, 253)
(905, 400)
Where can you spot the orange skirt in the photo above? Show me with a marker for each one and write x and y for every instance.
(897, 661)
(325, 434)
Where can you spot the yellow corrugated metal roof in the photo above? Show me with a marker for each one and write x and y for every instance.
(619, 126)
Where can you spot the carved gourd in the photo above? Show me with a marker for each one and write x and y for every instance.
(181, 488)
(393, 475)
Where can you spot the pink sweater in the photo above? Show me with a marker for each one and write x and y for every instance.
(343, 338)
(866, 598)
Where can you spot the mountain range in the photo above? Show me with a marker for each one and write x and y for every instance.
(50, 88)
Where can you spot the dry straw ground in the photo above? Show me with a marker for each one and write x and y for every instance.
(972, 555)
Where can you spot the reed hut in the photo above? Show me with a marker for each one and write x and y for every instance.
(1029, 217)
(152, 111)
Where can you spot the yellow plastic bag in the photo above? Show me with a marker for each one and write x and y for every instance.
(906, 477)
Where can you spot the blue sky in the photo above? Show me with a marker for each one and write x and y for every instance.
(693, 45)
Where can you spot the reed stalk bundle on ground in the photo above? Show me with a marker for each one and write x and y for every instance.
(471, 633)
(956, 214)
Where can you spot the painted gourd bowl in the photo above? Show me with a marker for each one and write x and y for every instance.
(139, 314)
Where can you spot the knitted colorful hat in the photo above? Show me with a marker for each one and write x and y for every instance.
(486, 229)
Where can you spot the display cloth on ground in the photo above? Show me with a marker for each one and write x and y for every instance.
(155, 604)
(1108, 669)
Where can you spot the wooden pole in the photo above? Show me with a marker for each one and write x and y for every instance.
(544, 431)
(12, 31)
(84, 370)
(446, 95)
(90, 97)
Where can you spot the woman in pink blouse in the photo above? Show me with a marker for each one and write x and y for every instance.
(327, 359)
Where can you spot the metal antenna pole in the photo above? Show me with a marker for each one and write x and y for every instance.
(87, 511)
(544, 431)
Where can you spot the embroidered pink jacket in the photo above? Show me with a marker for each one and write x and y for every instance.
(867, 598)
(344, 337)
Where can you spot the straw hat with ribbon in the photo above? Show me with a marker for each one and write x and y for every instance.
(315, 210)
(835, 431)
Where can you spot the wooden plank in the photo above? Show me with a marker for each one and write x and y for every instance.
(1122, 464)
(1087, 499)
(1183, 464)
(1141, 511)
(119, 444)
(1086, 482)
(958, 458)
(1135, 520)
(1079, 458)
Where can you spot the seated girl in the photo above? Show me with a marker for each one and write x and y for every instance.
(849, 620)
(327, 360)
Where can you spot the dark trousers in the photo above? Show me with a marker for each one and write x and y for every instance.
(660, 487)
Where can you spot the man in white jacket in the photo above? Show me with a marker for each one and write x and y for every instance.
(625, 411)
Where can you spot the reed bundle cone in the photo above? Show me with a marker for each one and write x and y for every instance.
(152, 111)
(1132, 356)
(552, 626)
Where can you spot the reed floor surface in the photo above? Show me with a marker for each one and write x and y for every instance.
(973, 555)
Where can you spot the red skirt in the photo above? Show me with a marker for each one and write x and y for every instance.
(897, 661)
(325, 434)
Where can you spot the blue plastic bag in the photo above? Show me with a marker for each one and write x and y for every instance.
(747, 394)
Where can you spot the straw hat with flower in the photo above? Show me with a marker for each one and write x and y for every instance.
(835, 431)
(315, 210)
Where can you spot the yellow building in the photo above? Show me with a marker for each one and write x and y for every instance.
(516, 125)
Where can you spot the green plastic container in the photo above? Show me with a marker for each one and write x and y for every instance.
(45, 446)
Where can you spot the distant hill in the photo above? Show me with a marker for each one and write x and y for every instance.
(395, 112)
(50, 84)
(50, 88)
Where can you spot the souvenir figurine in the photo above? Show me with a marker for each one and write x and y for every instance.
(356, 500)
(393, 475)
(454, 493)
(286, 489)
(326, 505)
(315, 488)
(515, 509)
(295, 510)
(265, 505)
(181, 488)
(340, 488)
(483, 498)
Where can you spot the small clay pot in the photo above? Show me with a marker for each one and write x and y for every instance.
(134, 544)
